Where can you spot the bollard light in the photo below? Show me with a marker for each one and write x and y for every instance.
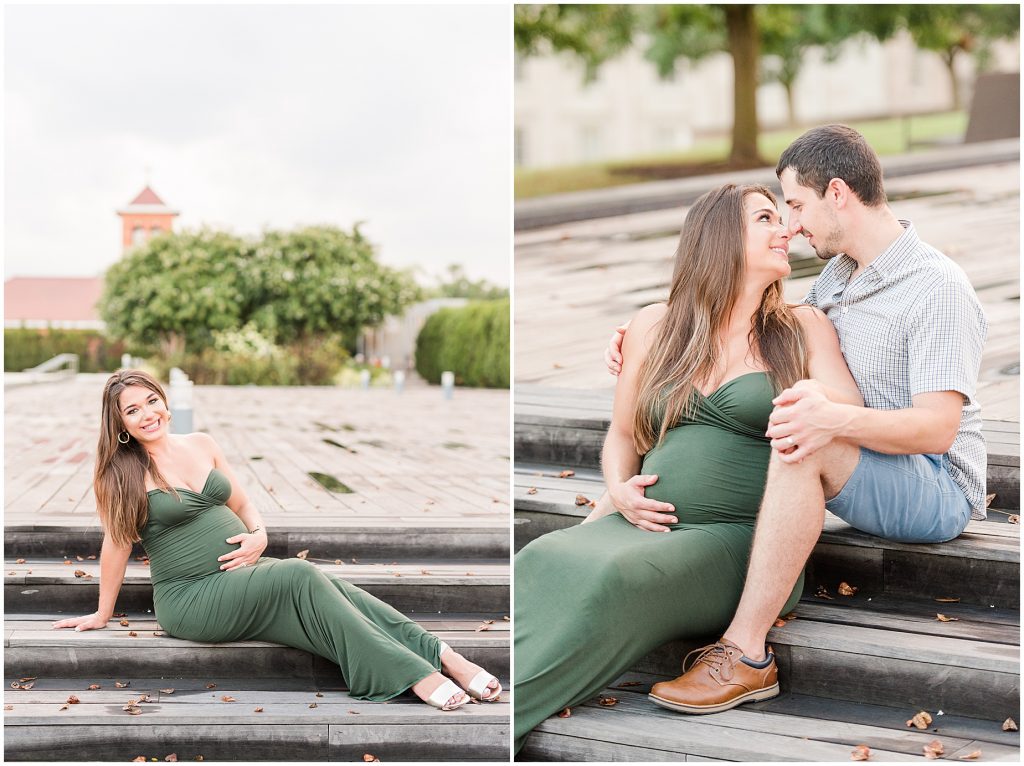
(399, 381)
(364, 378)
(181, 405)
(448, 384)
(126, 361)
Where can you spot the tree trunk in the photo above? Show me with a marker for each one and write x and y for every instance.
(790, 102)
(744, 45)
(949, 59)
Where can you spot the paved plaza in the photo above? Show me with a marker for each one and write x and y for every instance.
(574, 282)
(408, 460)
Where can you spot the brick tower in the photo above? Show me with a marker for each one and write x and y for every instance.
(143, 217)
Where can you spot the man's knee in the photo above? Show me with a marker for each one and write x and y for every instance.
(832, 465)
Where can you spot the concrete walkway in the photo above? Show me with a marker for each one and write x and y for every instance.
(409, 461)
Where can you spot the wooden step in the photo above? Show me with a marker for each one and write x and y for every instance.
(982, 566)
(33, 648)
(461, 586)
(483, 539)
(791, 727)
(193, 721)
(567, 426)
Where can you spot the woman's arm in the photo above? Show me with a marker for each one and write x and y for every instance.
(252, 544)
(113, 562)
(619, 459)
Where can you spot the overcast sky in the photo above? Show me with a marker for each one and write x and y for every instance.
(255, 116)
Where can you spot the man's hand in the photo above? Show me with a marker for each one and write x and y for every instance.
(613, 354)
(639, 510)
(804, 420)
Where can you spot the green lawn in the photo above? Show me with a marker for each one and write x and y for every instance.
(887, 136)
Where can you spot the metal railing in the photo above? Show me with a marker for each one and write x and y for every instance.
(60, 366)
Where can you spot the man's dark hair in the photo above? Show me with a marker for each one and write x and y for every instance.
(835, 151)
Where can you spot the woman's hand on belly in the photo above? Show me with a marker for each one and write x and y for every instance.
(252, 546)
(639, 510)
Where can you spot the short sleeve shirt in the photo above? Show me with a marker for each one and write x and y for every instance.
(910, 323)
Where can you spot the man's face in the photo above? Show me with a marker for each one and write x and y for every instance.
(812, 216)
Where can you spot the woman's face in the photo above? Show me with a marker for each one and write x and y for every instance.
(143, 413)
(767, 240)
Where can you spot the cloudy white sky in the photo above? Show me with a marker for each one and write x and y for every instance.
(260, 116)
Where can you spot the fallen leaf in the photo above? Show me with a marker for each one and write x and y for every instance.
(211, 686)
(172, 757)
(20, 561)
(944, 618)
(860, 753)
(228, 698)
(302, 554)
(124, 623)
(558, 366)
(26, 679)
(1009, 725)
(1013, 518)
(312, 705)
(970, 756)
(67, 561)
(353, 712)
(337, 561)
(139, 759)
(355, 560)
(132, 709)
(483, 627)
(92, 557)
(23, 687)
(933, 749)
(989, 499)
(63, 707)
(73, 700)
(157, 634)
(949, 600)
(845, 589)
(566, 474)
(319, 694)
(370, 758)
(531, 491)
(200, 758)
(132, 634)
(258, 710)
(506, 618)
(424, 572)
(565, 713)
(82, 573)
(822, 592)
(921, 720)
(167, 691)
(79, 558)
(608, 701)
(582, 500)
(8, 707)
(120, 614)
(119, 685)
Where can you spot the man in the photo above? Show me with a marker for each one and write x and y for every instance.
(910, 465)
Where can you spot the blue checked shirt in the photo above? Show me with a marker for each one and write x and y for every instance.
(910, 324)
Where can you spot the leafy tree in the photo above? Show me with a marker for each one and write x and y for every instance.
(176, 290)
(458, 285)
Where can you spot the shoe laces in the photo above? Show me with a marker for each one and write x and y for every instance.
(716, 657)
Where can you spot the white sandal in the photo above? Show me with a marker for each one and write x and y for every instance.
(480, 684)
(441, 696)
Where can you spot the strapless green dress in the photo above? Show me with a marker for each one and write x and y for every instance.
(288, 601)
(591, 600)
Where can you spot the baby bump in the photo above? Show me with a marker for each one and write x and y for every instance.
(191, 549)
(709, 474)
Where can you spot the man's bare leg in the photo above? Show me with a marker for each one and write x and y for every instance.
(788, 525)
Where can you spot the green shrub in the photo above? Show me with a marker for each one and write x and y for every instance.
(25, 347)
(471, 341)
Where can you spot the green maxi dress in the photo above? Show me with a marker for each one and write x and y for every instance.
(591, 600)
(288, 601)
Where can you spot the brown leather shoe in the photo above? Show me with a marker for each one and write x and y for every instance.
(717, 681)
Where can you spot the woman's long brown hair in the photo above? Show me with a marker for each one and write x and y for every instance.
(119, 480)
(707, 276)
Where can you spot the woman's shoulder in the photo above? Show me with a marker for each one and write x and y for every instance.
(646, 319)
(810, 317)
(197, 442)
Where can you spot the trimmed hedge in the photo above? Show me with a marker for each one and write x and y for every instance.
(26, 347)
(471, 341)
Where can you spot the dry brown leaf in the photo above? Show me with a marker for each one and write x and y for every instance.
(319, 694)
(73, 700)
(921, 720)
(23, 687)
(370, 758)
(63, 707)
(120, 614)
(21, 561)
(157, 634)
(80, 558)
(124, 623)
(167, 691)
(483, 627)
(228, 698)
(8, 707)
(845, 589)
(557, 366)
(565, 713)
(949, 600)
(860, 753)
(338, 561)
(355, 560)
(1013, 518)
(132, 709)
(26, 679)
(92, 557)
(989, 499)
(582, 500)
(67, 561)
(780, 623)
(1009, 725)
(531, 491)
(302, 554)
(506, 618)
(173, 757)
(933, 750)
(119, 685)
(132, 634)
(94, 687)
(608, 701)
(200, 758)
(970, 756)
(631, 683)
(944, 618)
(566, 474)
(352, 712)
(312, 705)
(139, 759)
(211, 686)
(258, 710)
(822, 592)
(81, 573)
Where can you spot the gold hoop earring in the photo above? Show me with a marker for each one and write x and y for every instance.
(126, 438)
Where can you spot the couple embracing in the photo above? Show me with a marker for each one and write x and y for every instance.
(732, 406)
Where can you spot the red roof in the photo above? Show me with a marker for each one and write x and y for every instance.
(147, 197)
(54, 299)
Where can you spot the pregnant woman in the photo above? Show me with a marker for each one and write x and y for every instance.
(204, 538)
(688, 425)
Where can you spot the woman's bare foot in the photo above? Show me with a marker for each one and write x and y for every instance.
(463, 671)
(423, 689)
